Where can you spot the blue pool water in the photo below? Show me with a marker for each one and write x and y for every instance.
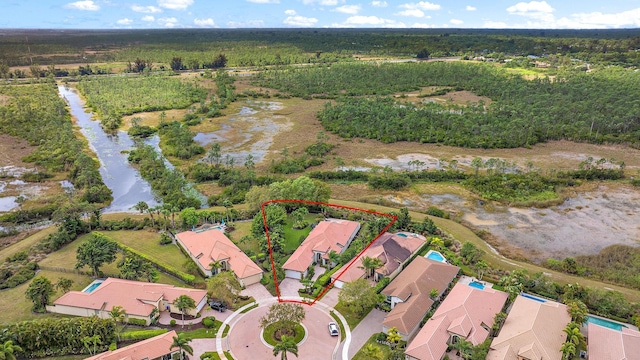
(604, 322)
(534, 298)
(434, 255)
(92, 287)
(477, 285)
(402, 235)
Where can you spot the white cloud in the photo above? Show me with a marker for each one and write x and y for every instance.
(290, 12)
(411, 12)
(175, 4)
(145, 9)
(456, 22)
(422, 5)
(264, 1)
(494, 25)
(321, 2)
(168, 22)
(470, 8)
(204, 22)
(539, 10)
(246, 24)
(593, 20)
(370, 21)
(348, 9)
(124, 21)
(85, 5)
(148, 18)
(297, 20)
(422, 25)
(379, 3)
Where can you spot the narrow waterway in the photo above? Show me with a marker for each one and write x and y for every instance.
(125, 182)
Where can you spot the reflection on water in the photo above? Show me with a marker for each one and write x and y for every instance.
(125, 182)
(8, 203)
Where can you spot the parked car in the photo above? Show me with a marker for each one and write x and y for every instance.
(333, 329)
(217, 305)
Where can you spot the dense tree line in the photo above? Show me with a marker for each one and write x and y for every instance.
(595, 107)
(37, 114)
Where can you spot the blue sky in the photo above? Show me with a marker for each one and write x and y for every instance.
(113, 14)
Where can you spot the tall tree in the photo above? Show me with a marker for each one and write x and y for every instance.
(8, 350)
(64, 284)
(574, 335)
(370, 265)
(117, 314)
(182, 343)
(224, 286)
(284, 316)
(284, 346)
(359, 296)
(578, 311)
(134, 267)
(184, 303)
(189, 217)
(99, 250)
(568, 350)
(39, 292)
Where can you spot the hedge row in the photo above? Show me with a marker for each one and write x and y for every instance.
(141, 335)
(187, 278)
(139, 322)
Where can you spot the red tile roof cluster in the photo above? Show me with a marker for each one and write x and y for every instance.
(152, 348)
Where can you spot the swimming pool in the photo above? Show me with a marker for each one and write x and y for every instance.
(604, 322)
(534, 298)
(436, 256)
(92, 286)
(402, 234)
(477, 285)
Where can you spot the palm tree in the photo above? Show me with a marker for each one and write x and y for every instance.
(481, 266)
(92, 340)
(215, 266)
(184, 303)
(373, 352)
(141, 206)
(334, 257)
(117, 314)
(286, 345)
(182, 343)
(574, 335)
(7, 350)
(227, 204)
(464, 347)
(578, 311)
(370, 265)
(568, 350)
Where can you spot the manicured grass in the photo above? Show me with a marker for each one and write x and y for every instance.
(202, 333)
(386, 351)
(15, 307)
(294, 237)
(249, 308)
(226, 330)
(242, 229)
(228, 355)
(337, 320)
(270, 339)
(352, 318)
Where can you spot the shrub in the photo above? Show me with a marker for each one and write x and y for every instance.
(141, 335)
(208, 323)
(187, 278)
(208, 355)
(434, 211)
(134, 321)
(172, 323)
(381, 336)
(165, 239)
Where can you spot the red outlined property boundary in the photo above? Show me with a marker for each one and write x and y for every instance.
(273, 264)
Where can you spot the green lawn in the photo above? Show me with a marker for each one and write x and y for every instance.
(385, 350)
(242, 229)
(292, 237)
(15, 307)
(201, 333)
(352, 318)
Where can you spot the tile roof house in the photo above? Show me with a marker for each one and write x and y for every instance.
(533, 330)
(466, 313)
(409, 293)
(209, 246)
(393, 249)
(138, 299)
(610, 344)
(328, 235)
(157, 347)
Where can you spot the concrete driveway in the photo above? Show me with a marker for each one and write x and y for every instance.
(245, 342)
(370, 325)
(201, 346)
(258, 291)
(289, 287)
(331, 297)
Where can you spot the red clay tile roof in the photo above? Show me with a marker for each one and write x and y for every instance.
(413, 286)
(331, 234)
(609, 344)
(212, 245)
(152, 348)
(533, 329)
(462, 312)
(390, 248)
(134, 296)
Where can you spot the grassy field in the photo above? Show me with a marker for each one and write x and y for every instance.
(243, 229)
(26, 243)
(15, 307)
(495, 260)
(294, 237)
(385, 350)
